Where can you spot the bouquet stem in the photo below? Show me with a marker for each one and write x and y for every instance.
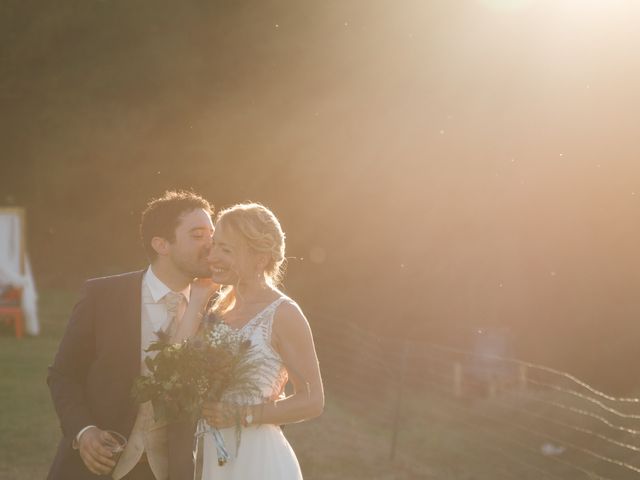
(202, 430)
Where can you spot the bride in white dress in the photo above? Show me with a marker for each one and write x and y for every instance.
(246, 257)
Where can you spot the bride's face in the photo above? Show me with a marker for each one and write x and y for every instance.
(231, 260)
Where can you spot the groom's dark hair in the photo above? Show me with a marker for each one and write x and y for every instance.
(162, 215)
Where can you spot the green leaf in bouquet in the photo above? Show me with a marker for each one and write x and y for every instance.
(163, 337)
(148, 361)
(155, 347)
(142, 390)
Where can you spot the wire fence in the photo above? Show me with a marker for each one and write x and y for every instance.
(430, 410)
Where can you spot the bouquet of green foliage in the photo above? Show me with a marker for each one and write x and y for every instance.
(214, 365)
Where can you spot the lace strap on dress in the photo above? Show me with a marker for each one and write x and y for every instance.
(262, 322)
(268, 321)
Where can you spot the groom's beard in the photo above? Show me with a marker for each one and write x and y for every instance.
(198, 268)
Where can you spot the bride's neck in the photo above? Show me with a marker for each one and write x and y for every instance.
(254, 292)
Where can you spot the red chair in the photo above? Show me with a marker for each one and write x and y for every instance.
(11, 309)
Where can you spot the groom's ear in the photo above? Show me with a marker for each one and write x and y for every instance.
(160, 245)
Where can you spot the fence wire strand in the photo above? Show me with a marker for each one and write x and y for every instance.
(399, 379)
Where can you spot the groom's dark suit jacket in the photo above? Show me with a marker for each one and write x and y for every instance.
(92, 374)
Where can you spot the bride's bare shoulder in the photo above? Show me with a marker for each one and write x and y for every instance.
(289, 318)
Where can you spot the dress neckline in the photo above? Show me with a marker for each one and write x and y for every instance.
(252, 319)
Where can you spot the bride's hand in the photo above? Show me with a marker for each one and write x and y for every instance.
(220, 415)
(202, 289)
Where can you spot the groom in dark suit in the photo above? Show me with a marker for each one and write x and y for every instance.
(103, 347)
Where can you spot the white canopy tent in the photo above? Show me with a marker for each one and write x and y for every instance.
(15, 269)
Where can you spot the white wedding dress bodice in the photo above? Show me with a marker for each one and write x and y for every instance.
(264, 451)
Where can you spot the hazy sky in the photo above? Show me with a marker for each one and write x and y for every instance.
(466, 162)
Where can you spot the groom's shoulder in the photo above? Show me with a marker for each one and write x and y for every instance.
(111, 281)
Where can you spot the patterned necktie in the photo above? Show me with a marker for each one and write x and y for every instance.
(172, 300)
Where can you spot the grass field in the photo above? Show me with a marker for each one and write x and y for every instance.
(439, 438)
(29, 429)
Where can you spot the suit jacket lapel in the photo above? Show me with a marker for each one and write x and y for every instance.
(132, 313)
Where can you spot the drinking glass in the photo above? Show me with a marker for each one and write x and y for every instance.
(115, 442)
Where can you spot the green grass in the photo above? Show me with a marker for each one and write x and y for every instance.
(29, 431)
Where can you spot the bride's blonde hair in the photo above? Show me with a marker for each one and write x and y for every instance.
(261, 230)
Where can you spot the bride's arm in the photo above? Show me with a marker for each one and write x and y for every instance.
(292, 338)
(201, 291)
